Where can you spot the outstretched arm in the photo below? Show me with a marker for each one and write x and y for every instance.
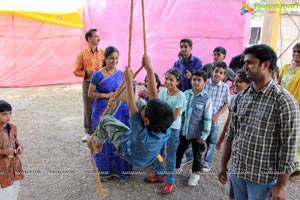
(151, 78)
(128, 76)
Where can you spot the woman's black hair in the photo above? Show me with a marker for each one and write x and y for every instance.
(108, 51)
(5, 106)
(175, 72)
(177, 75)
(243, 76)
(156, 80)
(277, 70)
(160, 115)
(297, 46)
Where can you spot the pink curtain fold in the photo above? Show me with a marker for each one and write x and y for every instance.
(35, 53)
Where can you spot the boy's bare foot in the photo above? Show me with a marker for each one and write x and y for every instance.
(94, 146)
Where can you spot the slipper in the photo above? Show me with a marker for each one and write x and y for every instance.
(295, 177)
(104, 179)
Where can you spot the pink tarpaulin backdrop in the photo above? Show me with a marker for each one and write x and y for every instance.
(36, 53)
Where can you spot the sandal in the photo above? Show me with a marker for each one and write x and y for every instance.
(295, 176)
(167, 189)
(155, 179)
(104, 179)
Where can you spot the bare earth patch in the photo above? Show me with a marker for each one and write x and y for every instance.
(57, 165)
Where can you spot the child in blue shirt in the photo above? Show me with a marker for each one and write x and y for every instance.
(197, 124)
(141, 144)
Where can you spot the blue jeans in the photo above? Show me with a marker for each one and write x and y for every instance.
(231, 193)
(172, 144)
(244, 189)
(211, 142)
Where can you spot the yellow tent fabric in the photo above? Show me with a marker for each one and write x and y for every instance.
(61, 12)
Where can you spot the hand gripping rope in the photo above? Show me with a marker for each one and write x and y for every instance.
(112, 101)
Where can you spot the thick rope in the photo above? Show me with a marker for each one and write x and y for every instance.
(101, 191)
(130, 34)
(112, 101)
(144, 27)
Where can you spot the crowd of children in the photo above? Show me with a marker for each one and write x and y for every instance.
(197, 102)
(185, 113)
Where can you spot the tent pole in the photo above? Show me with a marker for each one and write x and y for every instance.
(270, 24)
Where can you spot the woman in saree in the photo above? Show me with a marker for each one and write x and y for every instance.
(290, 80)
(103, 85)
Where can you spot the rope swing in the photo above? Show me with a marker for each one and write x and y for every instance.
(112, 101)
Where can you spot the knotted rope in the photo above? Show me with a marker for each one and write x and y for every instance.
(112, 101)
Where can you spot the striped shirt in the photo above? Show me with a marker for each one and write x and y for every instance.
(263, 130)
(219, 94)
(88, 60)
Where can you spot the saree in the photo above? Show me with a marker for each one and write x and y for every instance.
(290, 80)
(108, 162)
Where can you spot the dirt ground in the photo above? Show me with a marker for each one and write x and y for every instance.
(56, 163)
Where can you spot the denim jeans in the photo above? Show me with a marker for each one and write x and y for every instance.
(231, 193)
(172, 144)
(211, 142)
(244, 189)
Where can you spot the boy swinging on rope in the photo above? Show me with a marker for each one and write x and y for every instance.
(141, 144)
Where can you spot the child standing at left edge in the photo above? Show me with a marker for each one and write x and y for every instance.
(11, 171)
